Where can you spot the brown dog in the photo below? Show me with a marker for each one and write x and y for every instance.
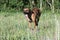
(32, 16)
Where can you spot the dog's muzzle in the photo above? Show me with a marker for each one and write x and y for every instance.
(28, 18)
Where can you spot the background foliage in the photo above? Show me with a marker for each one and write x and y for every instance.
(18, 5)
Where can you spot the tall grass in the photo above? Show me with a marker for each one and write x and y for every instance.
(13, 26)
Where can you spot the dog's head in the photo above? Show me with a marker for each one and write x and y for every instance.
(27, 13)
(26, 10)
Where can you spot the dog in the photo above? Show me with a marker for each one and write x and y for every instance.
(32, 16)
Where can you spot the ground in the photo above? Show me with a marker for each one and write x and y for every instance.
(13, 26)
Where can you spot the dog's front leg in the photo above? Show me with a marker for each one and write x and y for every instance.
(27, 17)
(29, 25)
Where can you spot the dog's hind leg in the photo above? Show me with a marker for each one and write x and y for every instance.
(29, 25)
(34, 20)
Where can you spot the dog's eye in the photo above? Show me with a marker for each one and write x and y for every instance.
(32, 12)
(27, 11)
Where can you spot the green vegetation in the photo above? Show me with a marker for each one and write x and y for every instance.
(13, 26)
(17, 5)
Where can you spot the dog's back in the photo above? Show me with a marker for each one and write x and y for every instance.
(36, 15)
(36, 11)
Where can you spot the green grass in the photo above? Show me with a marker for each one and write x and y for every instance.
(13, 26)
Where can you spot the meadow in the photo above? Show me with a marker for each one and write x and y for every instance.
(13, 26)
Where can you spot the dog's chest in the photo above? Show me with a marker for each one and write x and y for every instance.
(28, 17)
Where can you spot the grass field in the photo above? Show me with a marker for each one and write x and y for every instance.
(13, 26)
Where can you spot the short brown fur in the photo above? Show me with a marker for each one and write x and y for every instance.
(33, 16)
